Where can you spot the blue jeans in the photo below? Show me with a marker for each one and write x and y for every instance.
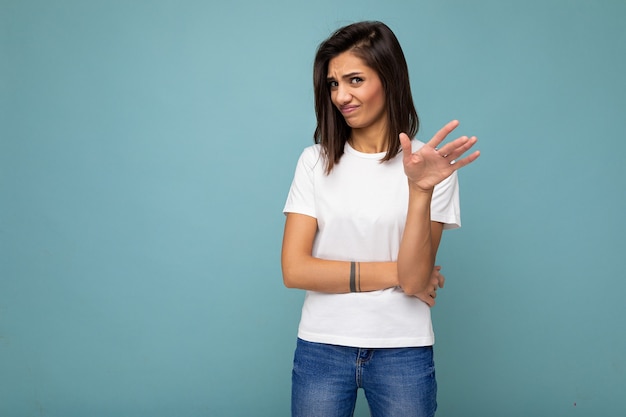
(398, 382)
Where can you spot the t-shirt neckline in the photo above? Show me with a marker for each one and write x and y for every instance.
(350, 150)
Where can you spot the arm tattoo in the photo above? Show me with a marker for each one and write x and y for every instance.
(352, 278)
(355, 276)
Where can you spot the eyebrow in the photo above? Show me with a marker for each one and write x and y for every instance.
(349, 75)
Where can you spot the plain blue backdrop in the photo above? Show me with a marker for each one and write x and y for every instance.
(146, 150)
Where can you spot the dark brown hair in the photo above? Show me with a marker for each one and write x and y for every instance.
(379, 48)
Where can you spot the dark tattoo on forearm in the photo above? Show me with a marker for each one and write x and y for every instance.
(352, 278)
(355, 276)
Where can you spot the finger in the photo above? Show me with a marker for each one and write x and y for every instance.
(442, 133)
(438, 279)
(460, 163)
(431, 301)
(457, 147)
(466, 147)
(428, 300)
(405, 142)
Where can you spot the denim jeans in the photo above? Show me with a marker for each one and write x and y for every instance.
(398, 382)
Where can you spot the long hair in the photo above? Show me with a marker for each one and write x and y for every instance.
(379, 48)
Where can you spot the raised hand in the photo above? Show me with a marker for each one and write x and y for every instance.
(430, 165)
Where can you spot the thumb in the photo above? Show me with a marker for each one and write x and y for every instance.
(405, 142)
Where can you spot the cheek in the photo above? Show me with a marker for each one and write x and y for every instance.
(375, 96)
(381, 100)
(377, 99)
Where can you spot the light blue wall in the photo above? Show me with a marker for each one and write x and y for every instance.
(146, 151)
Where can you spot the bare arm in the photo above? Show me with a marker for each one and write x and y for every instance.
(416, 257)
(436, 279)
(424, 169)
(302, 270)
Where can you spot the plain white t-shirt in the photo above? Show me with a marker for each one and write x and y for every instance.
(361, 212)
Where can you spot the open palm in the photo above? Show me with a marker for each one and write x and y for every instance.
(430, 165)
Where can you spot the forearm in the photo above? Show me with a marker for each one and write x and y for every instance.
(302, 270)
(309, 273)
(416, 257)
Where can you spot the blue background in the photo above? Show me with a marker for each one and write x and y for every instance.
(146, 151)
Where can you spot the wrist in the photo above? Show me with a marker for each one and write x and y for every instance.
(415, 191)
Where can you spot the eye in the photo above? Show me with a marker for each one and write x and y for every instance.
(333, 84)
(356, 80)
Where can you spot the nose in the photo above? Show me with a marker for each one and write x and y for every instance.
(343, 95)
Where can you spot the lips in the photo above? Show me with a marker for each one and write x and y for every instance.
(345, 110)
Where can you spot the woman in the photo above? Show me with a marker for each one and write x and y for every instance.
(364, 218)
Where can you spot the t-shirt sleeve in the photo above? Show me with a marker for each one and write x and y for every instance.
(445, 207)
(301, 197)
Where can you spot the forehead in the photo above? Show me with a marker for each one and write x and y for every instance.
(346, 63)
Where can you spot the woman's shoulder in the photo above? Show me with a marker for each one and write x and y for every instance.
(311, 154)
(313, 150)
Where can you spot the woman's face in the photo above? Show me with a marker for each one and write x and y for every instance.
(356, 90)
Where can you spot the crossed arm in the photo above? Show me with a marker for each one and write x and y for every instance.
(302, 270)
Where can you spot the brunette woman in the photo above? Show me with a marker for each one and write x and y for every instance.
(364, 219)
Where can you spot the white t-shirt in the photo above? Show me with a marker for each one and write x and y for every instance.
(361, 212)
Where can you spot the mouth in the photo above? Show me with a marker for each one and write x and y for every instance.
(346, 110)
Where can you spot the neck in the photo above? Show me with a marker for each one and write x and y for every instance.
(368, 141)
